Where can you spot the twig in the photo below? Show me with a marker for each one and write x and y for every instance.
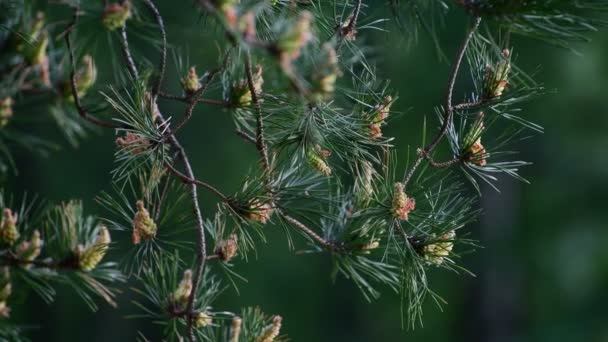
(259, 137)
(449, 109)
(163, 53)
(245, 136)
(201, 243)
(81, 110)
(304, 228)
(127, 52)
(188, 180)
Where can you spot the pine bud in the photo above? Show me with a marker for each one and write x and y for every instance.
(235, 329)
(364, 189)
(402, 204)
(30, 250)
(5, 311)
(6, 287)
(436, 252)
(272, 331)
(36, 54)
(241, 94)
(259, 212)
(8, 227)
(227, 249)
(316, 158)
(133, 143)
(368, 247)
(326, 75)
(497, 79)
(184, 288)
(478, 154)
(295, 38)
(86, 75)
(247, 26)
(202, 320)
(89, 257)
(228, 9)
(6, 110)
(378, 117)
(115, 15)
(190, 82)
(144, 226)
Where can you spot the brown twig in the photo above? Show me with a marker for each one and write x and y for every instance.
(187, 180)
(81, 110)
(259, 136)
(309, 232)
(427, 151)
(163, 53)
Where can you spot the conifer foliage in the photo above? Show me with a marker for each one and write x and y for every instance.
(295, 78)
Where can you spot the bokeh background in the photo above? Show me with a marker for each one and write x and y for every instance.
(541, 276)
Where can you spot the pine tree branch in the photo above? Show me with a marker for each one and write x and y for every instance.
(201, 243)
(449, 109)
(306, 230)
(187, 180)
(81, 110)
(127, 52)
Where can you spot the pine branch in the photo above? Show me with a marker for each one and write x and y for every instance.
(449, 109)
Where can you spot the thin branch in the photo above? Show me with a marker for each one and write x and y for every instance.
(193, 101)
(469, 105)
(259, 138)
(245, 136)
(127, 52)
(163, 55)
(81, 110)
(451, 82)
(449, 109)
(186, 99)
(354, 16)
(187, 180)
(306, 230)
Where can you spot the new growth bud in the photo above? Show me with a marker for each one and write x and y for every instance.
(190, 82)
(228, 9)
(496, 79)
(290, 44)
(241, 94)
(29, 250)
(325, 76)
(402, 204)
(476, 153)
(6, 288)
(8, 227)
(184, 289)
(227, 249)
(133, 143)
(259, 211)
(368, 247)
(436, 252)
(115, 15)
(202, 320)
(316, 158)
(90, 256)
(378, 117)
(6, 110)
(144, 226)
(235, 329)
(272, 331)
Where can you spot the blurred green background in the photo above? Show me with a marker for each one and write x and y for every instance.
(542, 275)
